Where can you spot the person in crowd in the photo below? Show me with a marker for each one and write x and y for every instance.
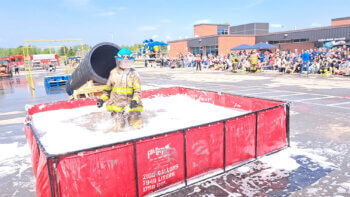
(253, 61)
(315, 66)
(344, 67)
(235, 62)
(334, 66)
(315, 60)
(186, 61)
(198, 62)
(271, 62)
(16, 69)
(283, 65)
(324, 67)
(246, 65)
(306, 60)
(278, 63)
(204, 61)
(289, 67)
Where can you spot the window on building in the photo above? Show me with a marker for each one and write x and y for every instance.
(285, 41)
(211, 50)
(197, 50)
(288, 41)
(222, 31)
(301, 40)
(274, 42)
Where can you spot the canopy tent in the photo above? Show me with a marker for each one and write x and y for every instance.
(242, 47)
(156, 43)
(262, 45)
(148, 41)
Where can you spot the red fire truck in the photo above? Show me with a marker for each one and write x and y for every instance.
(5, 70)
(43, 61)
(18, 60)
(15, 59)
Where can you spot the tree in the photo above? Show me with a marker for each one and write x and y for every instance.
(71, 52)
(62, 51)
(46, 51)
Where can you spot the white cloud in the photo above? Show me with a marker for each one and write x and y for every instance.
(165, 21)
(180, 37)
(121, 8)
(202, 21)
(147, 28)
(77, 2)
(155, 36)
(314, 24)
(254, 3)
(106, 14)
(275, 25)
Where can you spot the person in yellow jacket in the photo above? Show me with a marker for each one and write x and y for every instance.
(122, 92)
(235, 62)
(253, 61)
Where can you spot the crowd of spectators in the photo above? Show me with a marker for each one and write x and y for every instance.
(334, 61)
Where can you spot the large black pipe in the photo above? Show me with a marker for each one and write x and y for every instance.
(96, 66)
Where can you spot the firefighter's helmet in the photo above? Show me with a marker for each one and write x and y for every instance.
(124, 58)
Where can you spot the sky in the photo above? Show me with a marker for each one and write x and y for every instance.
(129, 22)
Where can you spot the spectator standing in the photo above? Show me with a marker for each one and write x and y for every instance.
(253, 61)
(16, 69)
(306, 60)
(198, 62)
(235, 62)
(186, 62)
(191, 60)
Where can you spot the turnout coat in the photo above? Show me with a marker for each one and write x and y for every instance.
(122, 87)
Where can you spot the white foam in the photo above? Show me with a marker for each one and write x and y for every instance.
(284, 159)
(281, 160)
(61, 131)
(243, 169)
(14, 158)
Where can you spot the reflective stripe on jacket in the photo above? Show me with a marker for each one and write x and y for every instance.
(253, 59)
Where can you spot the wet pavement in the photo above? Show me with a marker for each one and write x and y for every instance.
(320, 133)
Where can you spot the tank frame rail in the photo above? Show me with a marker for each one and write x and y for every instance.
(52, 159)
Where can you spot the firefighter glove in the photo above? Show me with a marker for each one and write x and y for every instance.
(133, 104)
(99, 103)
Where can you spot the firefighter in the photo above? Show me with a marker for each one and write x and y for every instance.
(253, 61)
(235, 61)
(122, 92)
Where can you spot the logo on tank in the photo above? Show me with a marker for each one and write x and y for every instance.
(160, 152)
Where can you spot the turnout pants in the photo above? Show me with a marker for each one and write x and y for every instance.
(134, 119)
